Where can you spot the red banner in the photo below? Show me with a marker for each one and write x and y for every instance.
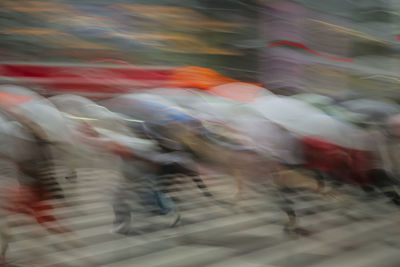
(102, 81)
(87, 80)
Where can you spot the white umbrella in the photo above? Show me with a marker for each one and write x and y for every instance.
(284, 111)
(149, 107)
(141, 106)
(40, 111)
(306, 120)
(71, 104)
(269, 139)
(187, 97)
(179, 96)
(19, 90)
(315, 99)
(47, 117)
(333, 131)
(16, 143)
(204, 106)
(148, 97)
(78, 108)
(219, 111)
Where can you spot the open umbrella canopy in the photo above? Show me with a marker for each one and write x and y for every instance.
(329, 129)
(186, 97)
(285, 111)
(269, 139)
(147, 98)
(343, 114)
(72, 104)
(140, 106)
(342, 96)
(9, 100)
(80, 109)
(375, 110)
(179, 96)
(205, 106)
(149, 108)
(162, 106)
(36, 109)
(83, 108)
(306, 120)
(19, 91)
(317, 100)
(219, 111)
(16, 143)
(241, 92)
(48, 118)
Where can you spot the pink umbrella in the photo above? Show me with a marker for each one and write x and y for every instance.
(239, 91)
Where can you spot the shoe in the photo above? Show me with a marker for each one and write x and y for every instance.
(302, 231)
(173, 218)
(207, 194)
(297, 231)
(124, 229)
(71, 178)
(176, 220)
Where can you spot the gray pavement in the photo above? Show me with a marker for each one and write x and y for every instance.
(349, 232)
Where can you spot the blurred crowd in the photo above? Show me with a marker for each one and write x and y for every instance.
(300, 142)
(280, 97)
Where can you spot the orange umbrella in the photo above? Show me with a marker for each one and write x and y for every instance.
(197, 77)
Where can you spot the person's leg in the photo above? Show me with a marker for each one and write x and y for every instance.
(165, 204)
(45, 173)
(71, 175)
(287, 206)
(384, 183)
(201, 186)
(320, 177)
(4, 235)
(190, 171)
(122, 213)
(123, 196)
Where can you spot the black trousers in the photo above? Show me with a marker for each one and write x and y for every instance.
(175, 168)
(381, 180)
(40, 173)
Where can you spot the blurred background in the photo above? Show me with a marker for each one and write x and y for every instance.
(216, 34)
(227, 36)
